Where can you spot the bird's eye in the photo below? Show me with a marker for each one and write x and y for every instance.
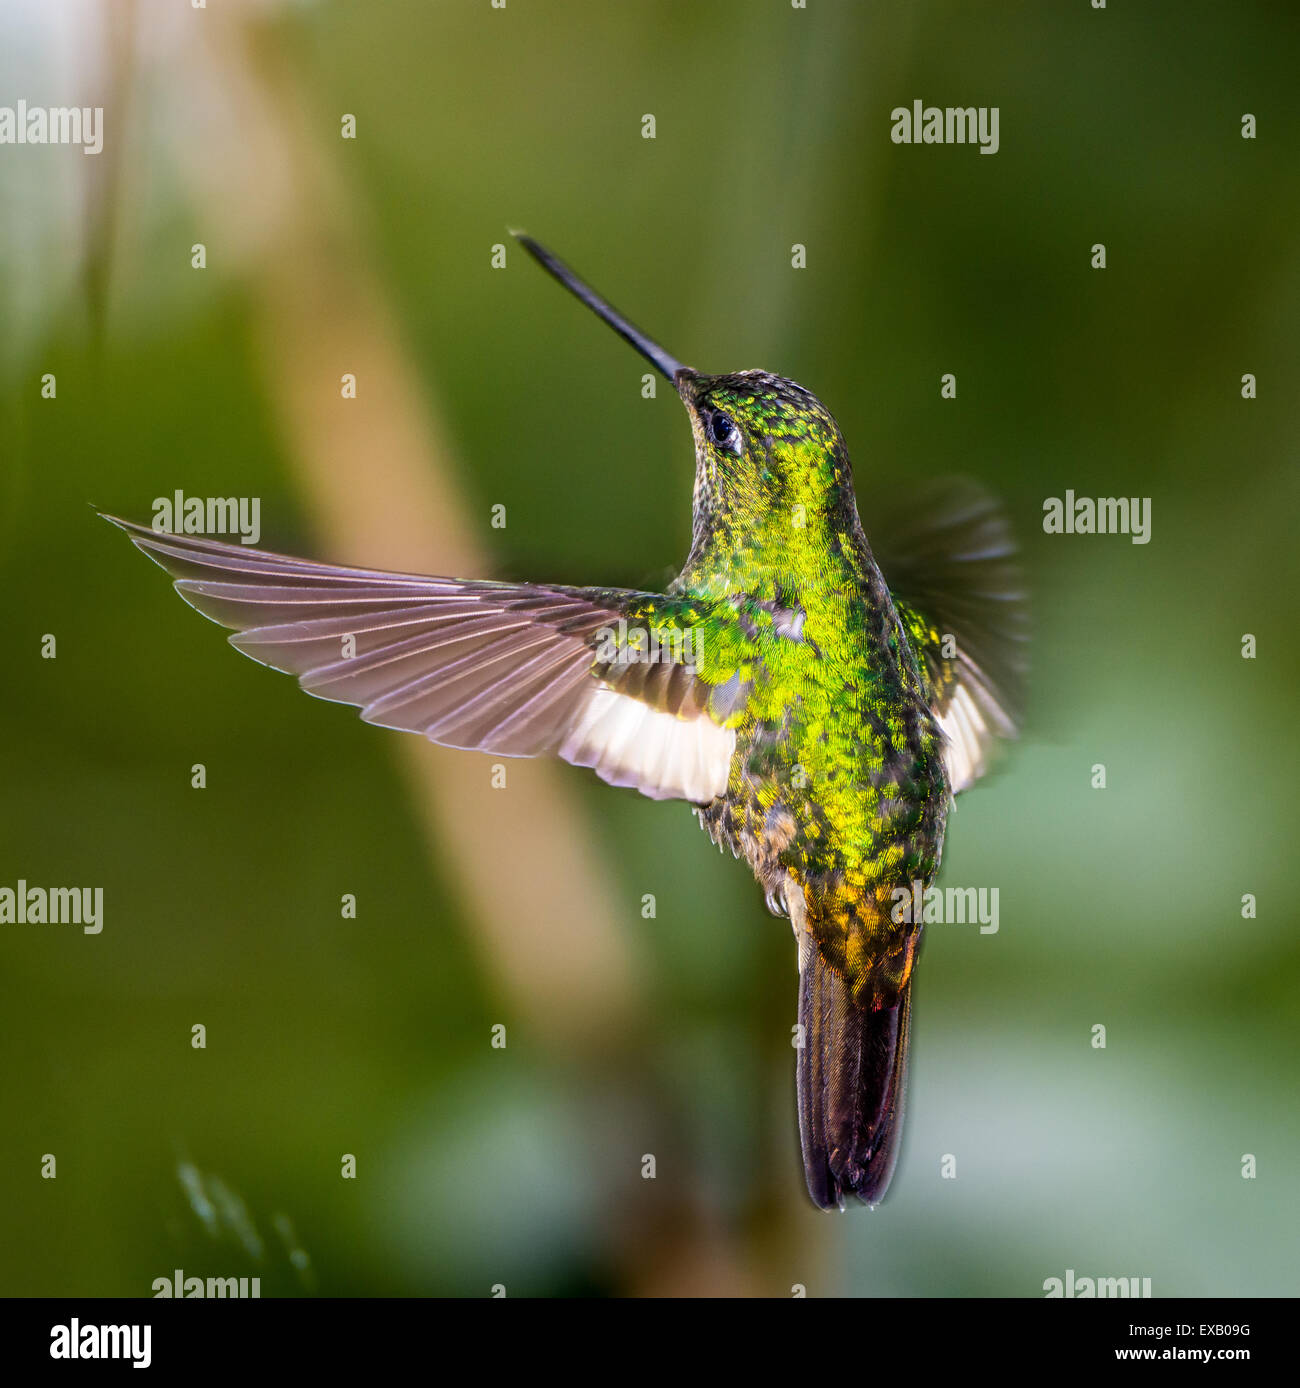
(722, 429)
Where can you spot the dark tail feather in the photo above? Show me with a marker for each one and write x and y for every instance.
(851, 1077)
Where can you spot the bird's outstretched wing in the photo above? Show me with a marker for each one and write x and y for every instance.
(960, 594)
(600, 677)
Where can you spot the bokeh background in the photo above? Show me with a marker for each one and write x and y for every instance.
(521, 907)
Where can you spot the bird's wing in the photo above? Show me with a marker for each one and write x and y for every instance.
(961, 598)
(595, 676)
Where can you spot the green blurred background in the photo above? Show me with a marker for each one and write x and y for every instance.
(521, 907)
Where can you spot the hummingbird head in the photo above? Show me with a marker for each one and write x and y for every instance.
(769, 456)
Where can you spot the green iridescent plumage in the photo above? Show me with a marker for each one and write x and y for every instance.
(857, 715)
(838, 779)
(818, 720)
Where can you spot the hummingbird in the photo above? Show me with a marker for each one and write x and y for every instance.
(817, 716)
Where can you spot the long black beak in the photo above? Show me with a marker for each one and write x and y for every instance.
(651, 351)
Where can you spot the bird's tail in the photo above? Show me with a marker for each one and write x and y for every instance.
(852, 1070)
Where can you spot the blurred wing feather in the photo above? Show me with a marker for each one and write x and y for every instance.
(953, 570)
(506, 668)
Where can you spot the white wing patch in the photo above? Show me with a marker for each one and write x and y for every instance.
(628, 743)
(503, 668)
(969, 724)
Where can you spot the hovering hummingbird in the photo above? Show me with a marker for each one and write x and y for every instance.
(817, 718)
